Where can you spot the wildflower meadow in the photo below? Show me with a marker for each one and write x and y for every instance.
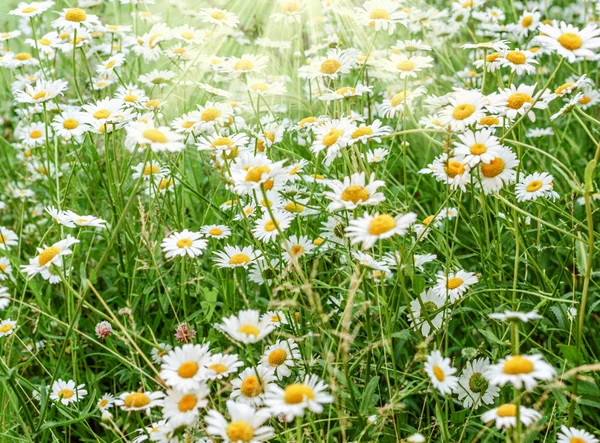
(305, 221)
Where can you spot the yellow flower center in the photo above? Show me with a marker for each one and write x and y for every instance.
(454, 282)
(489, 120)
(379, 14)
(187, 369)
(534, 185)
(243, 65)
(355, 193)
(187, 402)
(6, 327)
(65, 393)
(151, 169)
(577, 440)
(70, 123)
(360, 132)
(240, 431)
(219, 368)
(297, 250)
(454, 168)
(463, 111)
(526, 21)
(492, 57)
(270, 226)
(217, 15)
(584, 100)
(239, 259)
(249, 330)
(210, 114)
(306, 121)
(215, 231)
(399, 98)
(570, 41)
(184, 243)
(517, 365)
(478, 149)
(439, 373)
(48, 254)
(129, 98)
(22, 56)
(101, 113)
(222, 141)
(136, 400)
(255, 173)
(110, 64)
(155, 136)
(75, 15)
(152, 104)
(381, 224)
(35, 134)
(291, 7)
(330, 67)
(507, 410)
(518, 99)
(319, 241)
(165, 183)
(102, 403)
(277, 357)
(345, 90)
(493, 168)
(332, 137)
(297, 392)
(251, 386)
(187, 35)
(406, 65)
(516, 57)
(28, 10)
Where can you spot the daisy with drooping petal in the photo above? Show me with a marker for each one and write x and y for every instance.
(473, 387)
(181, 407)
(66, 392)
(220, 366)
(574, 435)
(280, 357)
(234, 257)
(245, 327)
(440, 373)
(534, 186)
(184, 243)
(246, 424)
(569, 41)
(140, 401)
(183, 367)
(498, 172)
(370, 228)
(520, 371)
(427, 311)
(251, 385)
(505, 416)
(295, 398)
(354, 192)
(455, 284)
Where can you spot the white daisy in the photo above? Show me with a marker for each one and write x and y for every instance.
(181, 407)
(574, 435)
(66, 392)
(473, 388)
(569, 41)
(427, 311)
(440, 373)
(184, 243)
(246, 327)
(280, 357)
(295, 398)
(354, 192)
(505, 416)
(140, 401)
(183, 367)
(455, 284)
(220, 366)
(251, 385)
(370, 228)
(534, 186)
(234, 257)
(246, 424)
(520, 371)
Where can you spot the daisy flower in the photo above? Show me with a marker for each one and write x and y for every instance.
(505, 416)
(346, 92)
(246, 327)
(280, 357)
(380, 15)
(8, 238)
(476, 147)
(373, 131)
(216, 231)
(157, 78)
(70, 125)
(246, 424)
(440, 373)
(105, 402)
(8, 326)
(528, 22)
(41, 92)
(354, 192)
(377, 155)
(219, 17)
(498, 172)
(140, 401)
(464, 109)
(296, 247)
(245, 64)
(332, 136)
(158, 139)
(159, 352)
(455, 284)
(370, 228)
(5, 269)
(520, 371)
(184, 243)
(75, 19)
(407, 66)
(574, 435)
(473, 388)
(534, 186)
(295, 398)
(268, 227)
(420, 259)
(220, 366)
(569, 41)
(399, 101)
(49, 258)
(427, 311)
(183, 367)
(32, 9)
(66, 392)
(250, 387)
(517, 101)
(334, 64)
(181, 407)
(519, 61)
(149, 170)
(234, 257)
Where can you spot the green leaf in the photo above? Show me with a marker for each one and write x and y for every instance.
(589, 176)
(369, 396)
(572, 354)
